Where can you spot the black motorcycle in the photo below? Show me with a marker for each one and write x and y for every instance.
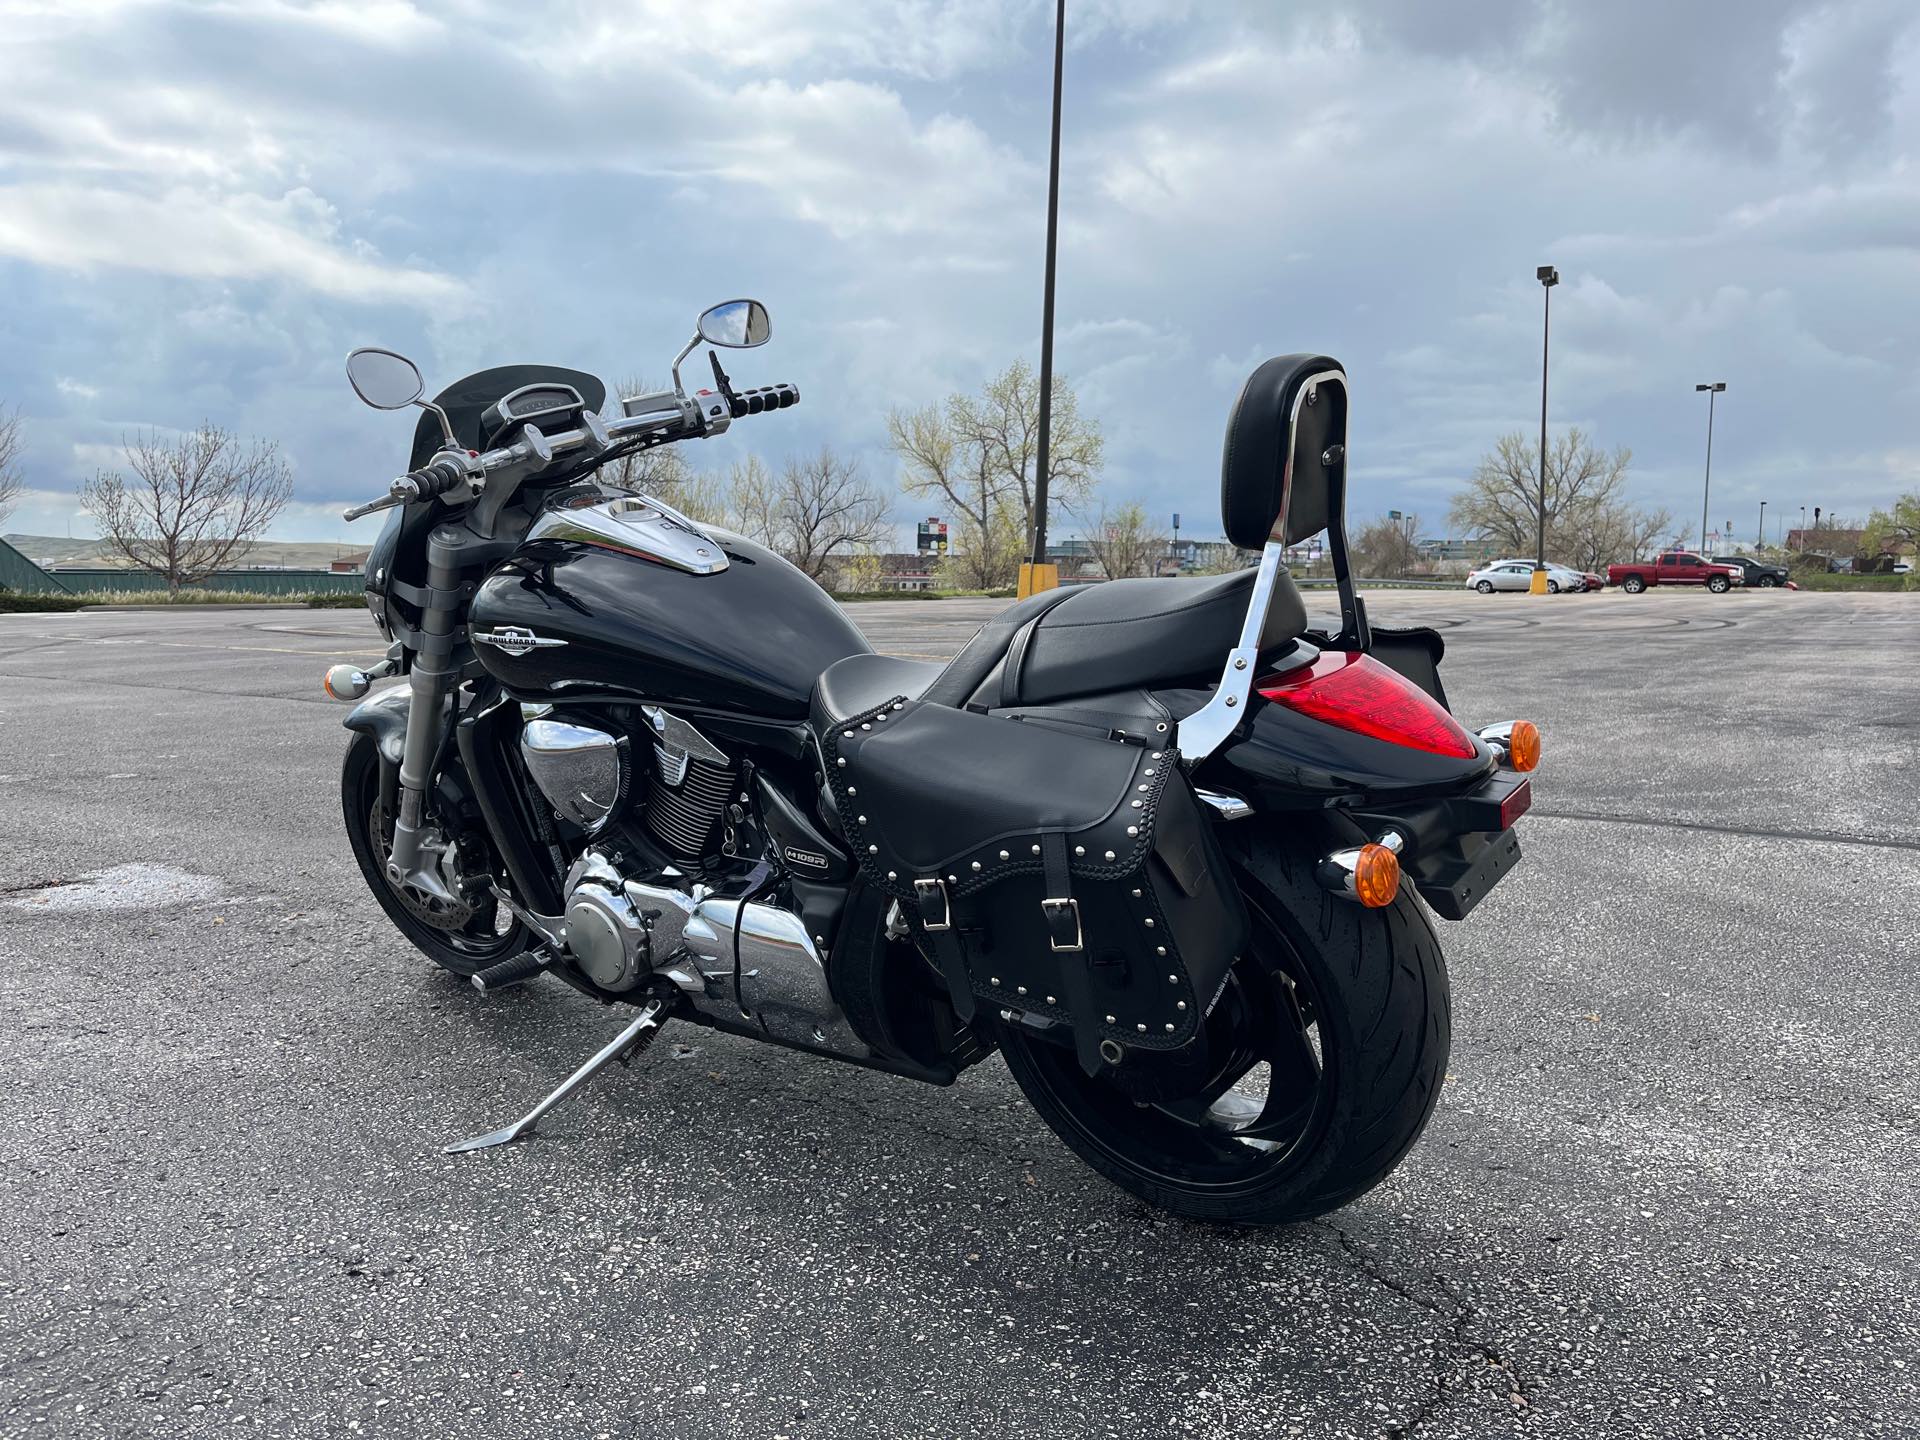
(1157, 842)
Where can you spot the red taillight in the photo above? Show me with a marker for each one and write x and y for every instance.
(1356, 692)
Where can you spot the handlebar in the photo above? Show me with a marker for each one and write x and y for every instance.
(675, 422)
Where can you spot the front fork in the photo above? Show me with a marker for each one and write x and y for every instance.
(431, 679)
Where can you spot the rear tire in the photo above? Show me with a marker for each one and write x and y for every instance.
(1375, 984)
(1485, 587)
(1633, 584)
(465, 950)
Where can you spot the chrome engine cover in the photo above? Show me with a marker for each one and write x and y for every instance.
(583, 772)
(620, 932)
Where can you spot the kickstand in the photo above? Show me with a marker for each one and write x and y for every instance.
(624, 1046)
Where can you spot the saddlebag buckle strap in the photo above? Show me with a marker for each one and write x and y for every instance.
(936, 913)
(1064, 934)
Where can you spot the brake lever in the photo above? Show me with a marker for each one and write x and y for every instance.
(720, 379)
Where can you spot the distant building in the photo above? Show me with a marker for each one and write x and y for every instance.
(1480, 549)
(350, 564)
(908, 572)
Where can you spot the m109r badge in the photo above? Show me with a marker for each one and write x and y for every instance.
(514, 640)
(808, 858)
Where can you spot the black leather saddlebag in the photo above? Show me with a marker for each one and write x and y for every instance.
(1066, 875)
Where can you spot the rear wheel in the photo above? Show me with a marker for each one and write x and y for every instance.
(1485, 587)
(1329, 1047)
(465, 937)
(1633, 584)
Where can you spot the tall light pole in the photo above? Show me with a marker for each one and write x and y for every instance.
(1034, 578)
(1713, 388)
(1760, 540)
(1548, 278)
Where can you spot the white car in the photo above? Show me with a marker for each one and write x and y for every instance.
(1518, 575)
(1559, 577)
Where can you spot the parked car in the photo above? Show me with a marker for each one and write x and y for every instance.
(1903, 567)
(1674, 567)
(1755, 572)
(1595, 582)
(1504, 575)
(1559, 577)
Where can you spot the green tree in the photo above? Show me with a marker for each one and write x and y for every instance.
(1898, 527)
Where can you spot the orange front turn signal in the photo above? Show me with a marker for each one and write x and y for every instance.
(1376, 876)
(1523, 746)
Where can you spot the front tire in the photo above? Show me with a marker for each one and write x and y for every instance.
(1553, 587)
(1719, 584)
(1767, 582)
(1369, 990)
(479, 940)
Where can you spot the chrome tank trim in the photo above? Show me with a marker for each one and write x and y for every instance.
(635, 525)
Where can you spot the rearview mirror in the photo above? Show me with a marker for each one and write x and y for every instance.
(384, 380)
(738, 325)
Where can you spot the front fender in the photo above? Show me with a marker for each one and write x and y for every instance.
(384, 717)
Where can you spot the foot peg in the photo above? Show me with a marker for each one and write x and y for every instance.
(515, 971)
(628, 1043)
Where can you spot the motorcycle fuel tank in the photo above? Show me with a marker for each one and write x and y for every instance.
(568, 615)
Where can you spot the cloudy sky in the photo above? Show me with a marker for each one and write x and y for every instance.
(204, 206)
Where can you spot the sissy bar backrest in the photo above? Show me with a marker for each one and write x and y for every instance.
(1282, 478)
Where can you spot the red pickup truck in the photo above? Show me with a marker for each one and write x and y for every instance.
(1675, 567)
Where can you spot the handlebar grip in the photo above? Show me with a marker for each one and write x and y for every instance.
(434, 479)
(765, 398)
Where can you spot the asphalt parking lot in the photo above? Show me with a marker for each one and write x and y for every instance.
(1669, 1191)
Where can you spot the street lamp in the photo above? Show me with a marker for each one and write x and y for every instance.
(1548, 278)
(1712, 390)
(1036, 575)
(1760, 540)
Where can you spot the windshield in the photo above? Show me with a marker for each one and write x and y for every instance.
(467, 398)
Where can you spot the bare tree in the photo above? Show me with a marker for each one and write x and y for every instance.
(1597, 536)
(12, 443)
(1126, 542)
(818, 509)
(192, 504)
(1388, 549)
(980, 452)
(1588, 518)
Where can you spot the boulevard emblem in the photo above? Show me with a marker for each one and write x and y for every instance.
(514, 640)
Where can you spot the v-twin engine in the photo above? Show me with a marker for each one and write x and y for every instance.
(734, 960)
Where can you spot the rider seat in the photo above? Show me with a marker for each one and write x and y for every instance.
(1283, 477)
(1090, 640)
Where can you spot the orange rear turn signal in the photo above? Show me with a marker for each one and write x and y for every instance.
(1524, 745)
(1376, 876)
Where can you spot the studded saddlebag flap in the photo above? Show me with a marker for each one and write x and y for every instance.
(1068, 876)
